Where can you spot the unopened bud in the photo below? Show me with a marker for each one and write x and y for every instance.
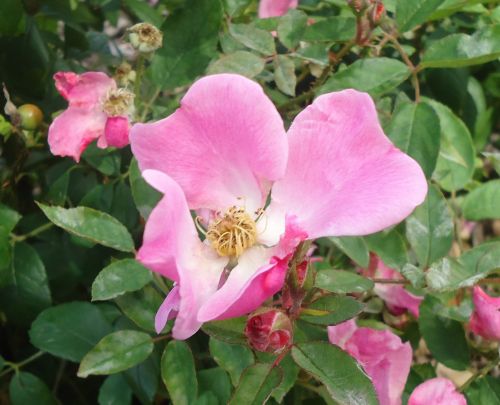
(358, 6)
(376, 13)
(144, 37)
(31, 116)
(269, 330)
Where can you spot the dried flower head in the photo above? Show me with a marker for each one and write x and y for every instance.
(144, 37)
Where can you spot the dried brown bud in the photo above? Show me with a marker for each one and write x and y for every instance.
(144, 37)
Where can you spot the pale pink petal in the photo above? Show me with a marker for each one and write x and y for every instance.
(86, 90)
(172, 248)
(275, 8)
(116, 131)
(259, 275)
(168, 309)
(485, 320)
(396, 297)
(344, 176)
(437, 391)
(341, 333)
(384, 357)
(72, 131)
(224, 145)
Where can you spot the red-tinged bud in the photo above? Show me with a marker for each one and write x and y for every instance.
(358, 6)
(269, 330)
(376, 13)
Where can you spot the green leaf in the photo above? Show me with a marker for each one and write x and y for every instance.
(467, 270)
(90, 224)
(256, 384)
(331, 29)
(291, 28)
(482, 391)
(253, 38)
(342, 282)
(331, 310)
(115, 391)
(390, 247)
(106, 161)
(231, 357)
(375, 76)
(290, 374)
(458, 50)
(178, 373)
(342, 376)
(455, 163)
(438, 331)
(414, 275)
(116, 352)
(415, 130)
(8, 218)
(28, 292)
(240, 62)
(412, 13)
(145, 196)
(354, 247)
(235, 7)
(5, 257)
(284, 74)
(215, 381)
(430, 228)
(190, 39)
(229, 330)
(141, 306)
(69, 330)
(144, 11)
(26, 388)
(118, 278)
(11, 17)
(483, 202)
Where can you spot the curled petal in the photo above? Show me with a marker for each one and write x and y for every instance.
(437, 391)
(172, 248)
(116, 131)
(168, 309)
(73, 130)
(224, 145)
(86, 90)
(341, 333)
(485, 320)
(344, 176)
(275, 8)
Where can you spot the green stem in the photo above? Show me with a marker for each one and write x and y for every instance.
(480, 373)
(139, 69)
(16, 366)
(34, 232)
(148, 104)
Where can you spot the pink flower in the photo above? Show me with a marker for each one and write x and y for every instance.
(97, 110)
(383, 356)
(275, 8)
(269, 330)
(335, 173)
(396, 297)
(437, 391)
(485, 320)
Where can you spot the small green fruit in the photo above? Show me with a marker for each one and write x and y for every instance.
(31, 116)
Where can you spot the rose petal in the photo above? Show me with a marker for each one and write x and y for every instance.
(224, 143)
(168, 309)
(116, 131)
(275, 8)
(85, 90)
(437, 391)
(341, 333)
(485, 320)
(344, 177)
(172, 248)
(73, 130)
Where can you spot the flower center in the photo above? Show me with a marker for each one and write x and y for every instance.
(119, 102)
(232, 233)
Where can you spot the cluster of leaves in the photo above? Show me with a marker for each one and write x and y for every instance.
(433, 72)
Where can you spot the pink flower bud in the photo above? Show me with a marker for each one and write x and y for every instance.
(376, 13)
(269, 330)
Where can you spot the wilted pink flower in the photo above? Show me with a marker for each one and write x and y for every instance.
(384, 357)
(396, 297)
(485, 320)
(97, 110)
(336, 173)
(437, 391)
(269, 330)
(275, 8)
